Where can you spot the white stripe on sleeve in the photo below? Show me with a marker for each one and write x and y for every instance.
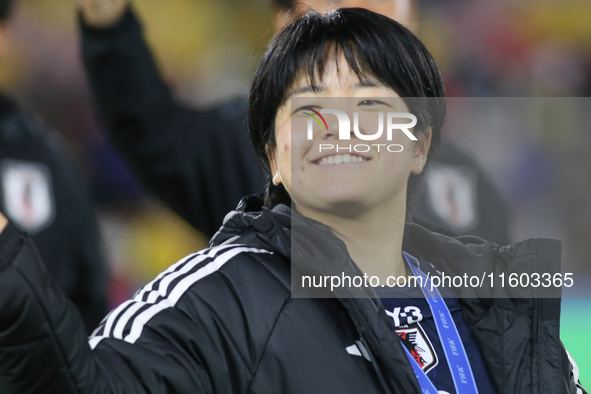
(129, 310)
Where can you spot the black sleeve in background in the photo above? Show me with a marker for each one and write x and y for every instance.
(199, 163)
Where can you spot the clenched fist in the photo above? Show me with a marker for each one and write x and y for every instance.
(102, 13)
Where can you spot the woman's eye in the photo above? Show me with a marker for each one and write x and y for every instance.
(372, 102)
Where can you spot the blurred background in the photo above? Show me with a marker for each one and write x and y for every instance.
(208, 51)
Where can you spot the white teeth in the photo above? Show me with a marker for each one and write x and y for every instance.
(340, 159)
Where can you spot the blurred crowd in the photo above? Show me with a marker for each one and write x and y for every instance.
(507, 50)
(520, 52)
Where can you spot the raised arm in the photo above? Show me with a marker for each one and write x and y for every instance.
(200, 163)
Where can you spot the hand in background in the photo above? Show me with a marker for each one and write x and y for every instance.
(102, 13)
(3, 222)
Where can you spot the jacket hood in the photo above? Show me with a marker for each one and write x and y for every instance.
(271, 227)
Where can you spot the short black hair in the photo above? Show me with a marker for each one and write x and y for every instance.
(5, 8)
(373, 45)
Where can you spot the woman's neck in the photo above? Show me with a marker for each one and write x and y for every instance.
(373, 238)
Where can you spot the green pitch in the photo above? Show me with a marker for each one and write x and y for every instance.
(575, 332)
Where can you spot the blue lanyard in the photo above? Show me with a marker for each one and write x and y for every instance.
(457, 360)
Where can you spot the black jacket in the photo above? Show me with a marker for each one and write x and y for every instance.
(223, 321)
(42, 192)
(201, 163)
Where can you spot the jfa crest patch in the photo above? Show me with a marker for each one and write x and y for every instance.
(27, 194)
(419, 345)
(451, 193)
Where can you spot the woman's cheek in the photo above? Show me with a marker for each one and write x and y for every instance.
(282, 154)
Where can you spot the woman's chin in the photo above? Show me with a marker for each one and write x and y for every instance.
(334, 205)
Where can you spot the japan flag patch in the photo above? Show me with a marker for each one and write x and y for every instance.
(27, 194)
(418, 344)
(451, 193)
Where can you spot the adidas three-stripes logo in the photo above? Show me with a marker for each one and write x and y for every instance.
(127, 321)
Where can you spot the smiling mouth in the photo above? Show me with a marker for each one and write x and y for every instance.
(339, 159)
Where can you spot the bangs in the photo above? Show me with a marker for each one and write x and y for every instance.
(324, 38)
(313, 65)
(375, 47)
(390, 54)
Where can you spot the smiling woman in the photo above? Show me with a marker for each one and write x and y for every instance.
(225, 320)
(337, 50)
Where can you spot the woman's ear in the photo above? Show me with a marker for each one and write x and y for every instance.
(275, 176)
(421, 152)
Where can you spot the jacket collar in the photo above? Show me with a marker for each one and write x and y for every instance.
(315, 250)
(286, 232)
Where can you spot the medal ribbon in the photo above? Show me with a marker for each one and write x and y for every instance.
(454, 350)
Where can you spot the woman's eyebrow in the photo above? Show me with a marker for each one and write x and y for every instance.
(362, 83)
(306, 89)
(368, 83)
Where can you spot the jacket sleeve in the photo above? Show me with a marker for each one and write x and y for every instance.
(43, 346)
(199, 163)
